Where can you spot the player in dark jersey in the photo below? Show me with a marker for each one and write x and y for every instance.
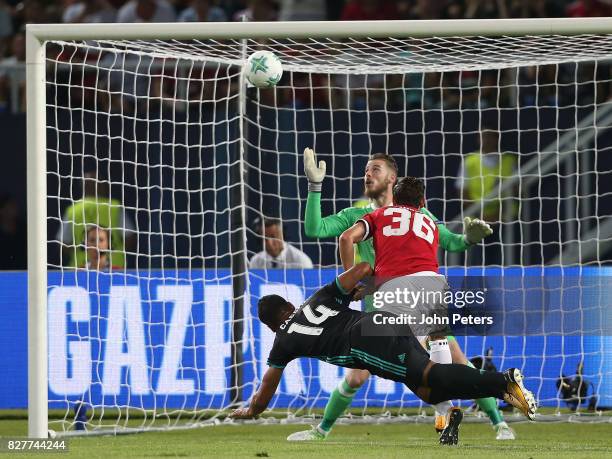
(324, 327)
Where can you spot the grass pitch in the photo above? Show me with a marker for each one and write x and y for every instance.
(535, 440)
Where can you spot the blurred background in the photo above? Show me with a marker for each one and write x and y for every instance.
(151, 143)
(538, 101)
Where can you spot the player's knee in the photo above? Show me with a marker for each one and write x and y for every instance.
(424, 393)
(424, 381)
(439, 377)
(356, 378)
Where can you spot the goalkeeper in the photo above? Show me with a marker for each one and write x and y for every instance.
(379, 178)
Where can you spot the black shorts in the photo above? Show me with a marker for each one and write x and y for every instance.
(396, 355)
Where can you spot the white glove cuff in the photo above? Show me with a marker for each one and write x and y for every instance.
(316, 187)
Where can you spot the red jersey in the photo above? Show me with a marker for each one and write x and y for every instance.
(405, 241)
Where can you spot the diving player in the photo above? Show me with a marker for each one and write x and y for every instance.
(324, 327)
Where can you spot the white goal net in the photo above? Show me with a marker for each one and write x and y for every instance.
(159, 148)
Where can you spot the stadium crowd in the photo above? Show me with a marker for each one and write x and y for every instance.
(435, 90)
(14, 14)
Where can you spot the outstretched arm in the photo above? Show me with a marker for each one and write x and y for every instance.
(348, 280)
(451, 242)
(262, 398)
(316, 226)
(474, 231)
(351, 236)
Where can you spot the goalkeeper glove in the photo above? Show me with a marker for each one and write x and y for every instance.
(314, 174)
(475, 230)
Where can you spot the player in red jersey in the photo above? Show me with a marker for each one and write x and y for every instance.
(406, 245)
(405, 239)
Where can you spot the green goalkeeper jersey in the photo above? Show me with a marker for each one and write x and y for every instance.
(334, 225)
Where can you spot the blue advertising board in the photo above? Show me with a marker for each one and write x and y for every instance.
(163, 338)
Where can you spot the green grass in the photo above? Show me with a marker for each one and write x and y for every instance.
(535, 440)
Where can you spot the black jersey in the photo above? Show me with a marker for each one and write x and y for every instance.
(324, 327)
(320, 328)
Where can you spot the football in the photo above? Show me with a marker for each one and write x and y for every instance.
(263, 69)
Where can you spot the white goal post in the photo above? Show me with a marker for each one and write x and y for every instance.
(150, 37)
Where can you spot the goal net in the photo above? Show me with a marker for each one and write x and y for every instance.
(161, 165)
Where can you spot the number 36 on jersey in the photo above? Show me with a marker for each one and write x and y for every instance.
(405, 240)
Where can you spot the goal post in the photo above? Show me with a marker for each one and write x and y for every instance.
(324, 29)
(306, 48)
(37, 237)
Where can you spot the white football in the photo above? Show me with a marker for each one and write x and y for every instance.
(263, 69)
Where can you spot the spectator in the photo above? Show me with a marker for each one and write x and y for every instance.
(278, 253)
(12, 78)
(90, 11)
(588, 8)
(454, 10)
(36, 12)
(18, 49)
(202, 11)
(303, 10)
(368, 10)
(146, 11)
(481, 173)
(97, 249)
(257, 10)
(13, 234)
(99, 209)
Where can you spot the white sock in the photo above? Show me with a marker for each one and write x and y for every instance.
(443, 407)
(439, 352)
